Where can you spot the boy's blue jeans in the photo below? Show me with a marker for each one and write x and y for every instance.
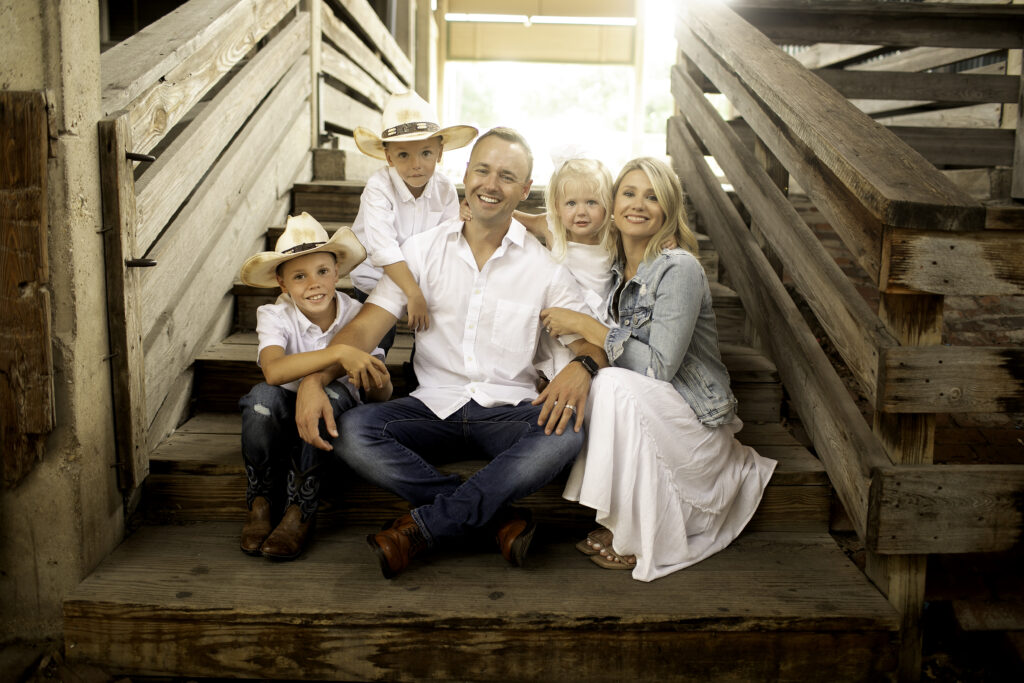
(393, 444)
(276, 459)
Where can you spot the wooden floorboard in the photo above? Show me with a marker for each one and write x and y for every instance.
(184, 600)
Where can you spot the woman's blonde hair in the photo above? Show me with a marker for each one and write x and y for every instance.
(591, 175)
(669, 192)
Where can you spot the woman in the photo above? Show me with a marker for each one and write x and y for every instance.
(670, 483)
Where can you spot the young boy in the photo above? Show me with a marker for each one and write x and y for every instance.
(405, 198)
(282, 470)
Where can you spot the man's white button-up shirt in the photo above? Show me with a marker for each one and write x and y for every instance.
(484, 323)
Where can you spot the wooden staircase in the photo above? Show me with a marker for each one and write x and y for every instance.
(178, 598)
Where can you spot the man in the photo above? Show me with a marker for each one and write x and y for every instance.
(485, 282)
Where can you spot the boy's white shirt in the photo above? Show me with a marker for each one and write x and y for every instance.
(389, 215)
(484, 324)
(283, 324)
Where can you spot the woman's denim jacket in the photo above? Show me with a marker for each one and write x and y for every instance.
(667, 331)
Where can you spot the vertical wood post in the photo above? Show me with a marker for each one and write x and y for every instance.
(26, 360)
(915, 320)
(780, 176)
(315, 39)
(120, 223)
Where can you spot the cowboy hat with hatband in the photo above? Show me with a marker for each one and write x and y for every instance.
(303, 235)
(408, 117)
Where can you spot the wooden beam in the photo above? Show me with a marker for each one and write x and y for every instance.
(952, 379)
(855, 330)
(166, 100)
(946, 509)
(124, 315)
(823, 55)
(380, 39)
(163, 186)
(345, 39)
(340, 68)
(915, 320)
(895, 24)
(864, 156)
(920, 59)
(941, 87)
(345, 113)
(985, 262)
(841, 437)
(27, 409)
(972, 147)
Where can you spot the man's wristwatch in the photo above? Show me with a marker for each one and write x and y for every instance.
(588, 363)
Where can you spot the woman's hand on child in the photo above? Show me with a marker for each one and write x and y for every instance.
(416, 310)
(366, 372)
(562, 321)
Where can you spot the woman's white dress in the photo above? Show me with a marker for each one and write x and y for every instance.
(672, 491)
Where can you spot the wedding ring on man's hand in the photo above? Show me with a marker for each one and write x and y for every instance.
(570, 407)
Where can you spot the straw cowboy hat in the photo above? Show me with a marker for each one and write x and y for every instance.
(303, 235)
(408, 117)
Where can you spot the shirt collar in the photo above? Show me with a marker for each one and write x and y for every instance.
(308, 325)
(403, 190)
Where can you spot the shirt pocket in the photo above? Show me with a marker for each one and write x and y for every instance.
(515, 326)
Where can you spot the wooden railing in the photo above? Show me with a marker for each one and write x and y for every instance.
(916, 235)
(224, 94)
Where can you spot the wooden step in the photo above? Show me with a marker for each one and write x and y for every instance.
(197, 474)
(184, 601)
(227, 370)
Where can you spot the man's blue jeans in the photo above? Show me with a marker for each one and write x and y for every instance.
(393, 444)
(279, 465)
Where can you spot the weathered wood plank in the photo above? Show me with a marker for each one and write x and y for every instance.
(822, 55)
(863, 155)
(842, 439)
(339, 67)
(896, 24)
(124, 310)
(919, 59)
(27, 410)
(346, 113)
(169, 181)
(974, 116)
(752, 610)
(1004, 216)
(139, 61)
(342, 37)
(853, 327)
(977, 263)
(953, 379)
(860, 231)
(177, 250)
(380, 37)
(942, 87)
(165, 101)
(960, 146)
(946, 508)
(177, 332)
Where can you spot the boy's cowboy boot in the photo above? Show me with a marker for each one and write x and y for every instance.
(288, 540)
(257, 526)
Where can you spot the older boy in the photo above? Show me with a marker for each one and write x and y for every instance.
(293, 335)
(486, 282)
(405, 198)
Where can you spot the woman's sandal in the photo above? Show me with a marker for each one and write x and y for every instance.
(609, 559)
(595, 540)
